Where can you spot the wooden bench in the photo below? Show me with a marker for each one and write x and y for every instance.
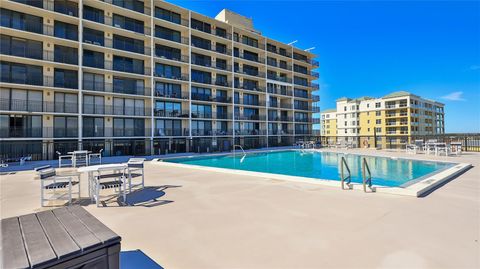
(61, 238)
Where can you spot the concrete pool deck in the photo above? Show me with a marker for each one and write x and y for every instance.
(189, 218)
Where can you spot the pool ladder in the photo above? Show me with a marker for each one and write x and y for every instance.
(343, 178)
(244, 154)
(366, 175)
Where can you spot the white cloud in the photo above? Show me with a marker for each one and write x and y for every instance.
(454, 96)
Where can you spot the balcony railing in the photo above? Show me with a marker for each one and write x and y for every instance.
(115, 110)
(250, 87)
(170, 132)
(178, 58)
(223, 99)
(183, 77)
(278, 78)
(171, 114)
(20, 132)
(250, 72)
(257, 103)
(251, 132)
(251, 117)
(37, 106)
(285, 92)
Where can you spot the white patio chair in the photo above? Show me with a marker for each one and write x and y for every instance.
(135, 169)
(441, 148)
(456, 148)
(411, 148)
(429, 148)
(63, 158)
(95, 158)
(107, 179)
(419, 144)
(59, 186)
(80, 157)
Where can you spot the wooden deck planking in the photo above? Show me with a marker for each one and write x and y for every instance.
(59, 238)
(82, 236)
(38, 248)
(12, 245)
(99, 229)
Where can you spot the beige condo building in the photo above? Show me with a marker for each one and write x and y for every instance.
(389, 121)
(145, 77)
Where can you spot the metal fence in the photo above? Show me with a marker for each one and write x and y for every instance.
(12, 151)
(470, 142)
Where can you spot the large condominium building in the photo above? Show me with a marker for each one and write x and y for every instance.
(145, 77)
(392, 120)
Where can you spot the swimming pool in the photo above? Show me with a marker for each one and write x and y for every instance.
(388, 172)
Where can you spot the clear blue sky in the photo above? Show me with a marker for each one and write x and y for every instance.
(429, 48)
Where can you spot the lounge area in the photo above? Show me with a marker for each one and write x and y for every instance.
(191, 218)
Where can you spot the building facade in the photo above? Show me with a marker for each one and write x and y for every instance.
(389, 121)
(145, 77)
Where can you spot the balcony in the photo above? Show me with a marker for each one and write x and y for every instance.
(250, 72)
(314, 74)
(171, 114)
(222, 132)
(128, 132)
(202, 97)
(101, 86)
(253, 45)
(251, 132)
(250, 58)
(223, 99)
(201, 132)
(213, 31)
(279, 78)
(250, 87)
(21, 132)
(144, 50)
(285, 92)
(251, 117)
(257, 103)
(170, 132)
(115, 110)
(182, 77)
(202, 115)
(223, 116)
(37, 106)
(173, 57)
(212, 64)
(140, 9)
(182, 40)
(172, 95)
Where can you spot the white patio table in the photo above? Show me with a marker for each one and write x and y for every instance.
(90, 170)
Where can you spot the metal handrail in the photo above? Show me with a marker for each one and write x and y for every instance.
(343, 178)
(367, 180)
(240, 148)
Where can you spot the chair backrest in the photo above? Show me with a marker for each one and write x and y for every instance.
(136, 162)
(45, 171)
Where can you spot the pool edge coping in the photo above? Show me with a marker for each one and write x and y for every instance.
(417, 189)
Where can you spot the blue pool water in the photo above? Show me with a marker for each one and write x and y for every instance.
(323, 165)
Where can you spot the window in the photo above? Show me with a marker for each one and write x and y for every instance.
(21, 47)
(250, 99)
(221, 96)
(221, 32)
(300, 69)
(203, 94)
(128, 23)
(300, 81)
(65, 78)
(168, 109)
(377, 105)
(21, 73)
(93, 82)
(201, 111)
(201, 77)
(167, 15)
(93, 59)
(378, 130)
(66, 7)
(222, 112)
(301, 93)
(128, 44)
(93, 14)
(378, 121)
(301, 129)
(250, 55)
(93, 127)
(21, 100)
(93, 37)
(378, 113)
(201, 43)
(65, 126)
(168, 90)
(165, 33)
(65, 55)
(128, 85)
(125, 106)
(250, 41)
(94, 104)
(168, 128)
(301, 117)
(66, 102)
(168, 52)
(222, 48)
(125, 64)
(168, 71)
(66, 30)
(34, 3)
(201, 26)
(128, 127)
(201, 127)
(21, 21)
(20, 126)
(202, 60)
(134, 5)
